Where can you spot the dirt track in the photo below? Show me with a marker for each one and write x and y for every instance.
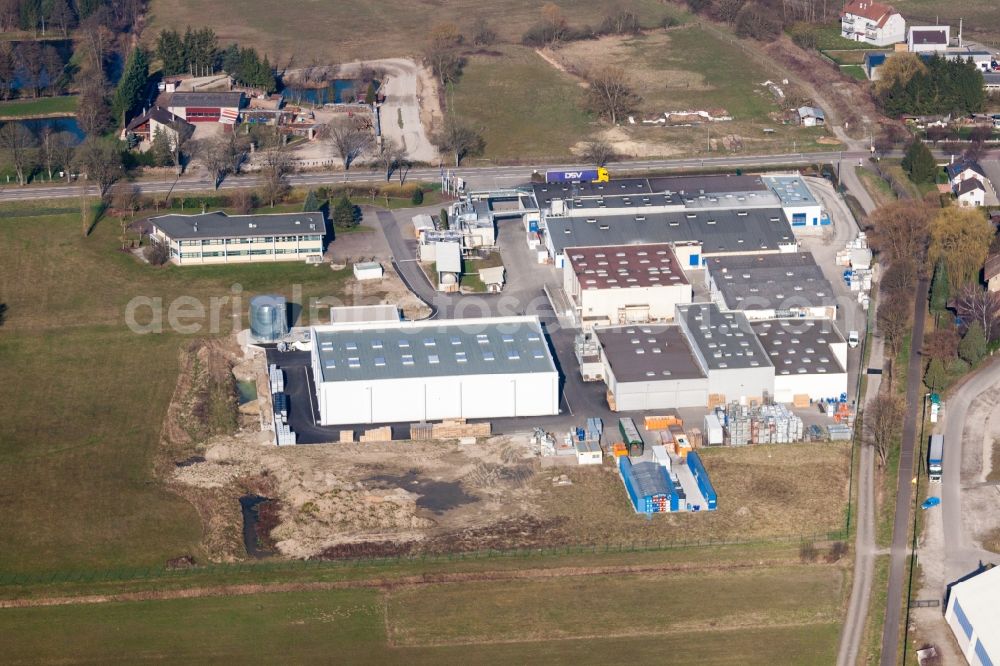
(379, 583)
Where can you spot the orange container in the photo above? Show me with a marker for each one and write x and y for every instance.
(661, 422)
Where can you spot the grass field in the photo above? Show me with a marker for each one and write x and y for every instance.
(82, 420)
(526, 108)
(343, 31)
(756, 616)
(784, 490)
(877, 188)
(38, 107)
(982, 21)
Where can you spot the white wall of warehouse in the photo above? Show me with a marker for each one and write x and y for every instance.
(657, 394)
(816, 386)
(605, 303)
(741, 383)
(436, 398)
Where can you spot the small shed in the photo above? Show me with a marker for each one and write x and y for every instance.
(811, 116)
(588, 452)
(448, 257)
(368, 270)
(493, 278)
(422, 223)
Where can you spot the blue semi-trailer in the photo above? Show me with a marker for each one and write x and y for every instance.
(598, 175)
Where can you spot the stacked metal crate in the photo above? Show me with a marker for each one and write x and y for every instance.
(738, 424)
(762, 424)
(284, 434)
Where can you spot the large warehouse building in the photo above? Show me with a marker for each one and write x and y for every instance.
(407, 371)
(809, 357)
(706, 215)
(728, 352)
(624, 284)
(650, 368)
(765, 286)
(972, 615)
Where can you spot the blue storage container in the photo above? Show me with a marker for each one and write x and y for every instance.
(701, 477)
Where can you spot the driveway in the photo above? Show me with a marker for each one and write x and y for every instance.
(407, 91)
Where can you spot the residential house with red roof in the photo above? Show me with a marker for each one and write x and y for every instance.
(872, 22)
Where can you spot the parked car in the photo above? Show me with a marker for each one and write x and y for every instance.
(853, 339)
(930, 502)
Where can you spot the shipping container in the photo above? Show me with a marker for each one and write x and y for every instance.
(701, 478)
(631, 436)
(713, 430)
(935, 457)
(661, 456)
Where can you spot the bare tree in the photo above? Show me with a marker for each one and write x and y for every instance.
(221, 155)
(389, 157)
(974, 303)
(882, 420)
(446, 62)
(900, 230)
(459, 138)
(101, 160)
(19, 144)
(483, 33)
(244, 201)
(276, 164)
(125, 201)
(611, 95)
(599, 152)
(60, 152)
(236, 148)
(893, 317)
(179, 147)
(349, 140)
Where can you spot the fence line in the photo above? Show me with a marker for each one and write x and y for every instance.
(266, 566)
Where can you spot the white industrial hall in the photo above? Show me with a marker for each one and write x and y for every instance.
(409, 371)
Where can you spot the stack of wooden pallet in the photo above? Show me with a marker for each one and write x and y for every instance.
(383, 434)
(456, 428)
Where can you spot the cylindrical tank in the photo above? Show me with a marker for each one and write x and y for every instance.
(268, 317)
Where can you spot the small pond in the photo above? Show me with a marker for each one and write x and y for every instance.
(246, 389)
(338, 92)
(248, 507)
(436, 496)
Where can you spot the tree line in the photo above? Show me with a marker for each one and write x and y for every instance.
(45, 17)
(911, 85)
(30, 69)
(197, 52)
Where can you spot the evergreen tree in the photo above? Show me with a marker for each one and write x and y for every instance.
(343, 214)
(418, 197)
(919, 163)
(940, 289)
(443, 219)
(160, 149)
(972, 348)
(936, 376)
(131, 90)
(170, 51)
(311, 204)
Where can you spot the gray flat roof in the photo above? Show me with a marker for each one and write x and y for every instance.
(800, 346)
(736, 230)
(724, 339)
(208, 99)
(635, 351)
(791, 190)
(220, 225)
(772, 281)
(407, 349)
(662, 191)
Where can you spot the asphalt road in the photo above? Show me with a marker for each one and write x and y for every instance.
(904, 486)
(961, 555)
(478, 177)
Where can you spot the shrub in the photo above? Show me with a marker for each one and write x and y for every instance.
(808, 552)
(418, 197)
(156, 254)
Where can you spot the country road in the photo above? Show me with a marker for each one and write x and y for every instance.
(479, 177)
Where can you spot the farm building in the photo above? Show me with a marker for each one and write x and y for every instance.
(217, 238)
(624, 284)
(146, 126)
(769, 286)
(972, 615)
(728, 353)
(809, 357)
(650, 367)
(800, 206)
(390, 372)
(207, 107)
